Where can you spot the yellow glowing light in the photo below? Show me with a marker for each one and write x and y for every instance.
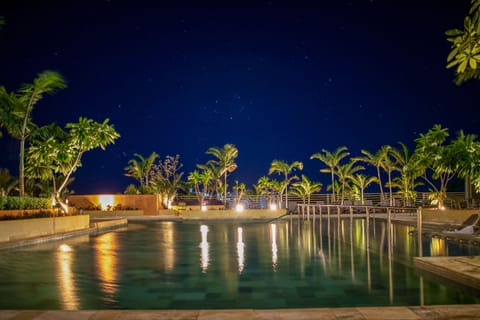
(65, 248)
(239, 207)
(274, 245)
(66, 278)
(204, 254)
(442, 208)
(240, 250)
(204, 207)
(273, 206)
(106, 201)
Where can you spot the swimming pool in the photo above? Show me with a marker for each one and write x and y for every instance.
(190, 265)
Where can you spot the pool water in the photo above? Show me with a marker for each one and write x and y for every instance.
(212, 265)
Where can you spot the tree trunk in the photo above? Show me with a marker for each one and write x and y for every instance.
(21, 168)
(382, 197)
(225, 191)
(333, 187)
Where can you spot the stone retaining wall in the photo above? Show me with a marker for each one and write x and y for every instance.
(28, 228)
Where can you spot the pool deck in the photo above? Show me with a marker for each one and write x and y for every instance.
(465, 270)
(364, 313)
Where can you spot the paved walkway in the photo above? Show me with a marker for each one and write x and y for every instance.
(368, 313)
(465, 270)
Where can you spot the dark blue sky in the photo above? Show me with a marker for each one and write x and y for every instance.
(280, 80)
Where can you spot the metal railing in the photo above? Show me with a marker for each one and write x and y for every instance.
(454, 200)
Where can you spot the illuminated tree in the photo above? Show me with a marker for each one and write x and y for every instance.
(226, 162)
(406, 165)
(215, 183)
(465, 150)
(60, 155)
(465, 53)
(240, 190)
(140, 170)
(270, 188)
(331, 160)
(376, 160)
(16, 109)
(282, 167)
(305, 188)
(345, 172)
(166, 178)
(199, 181)
(436, 161)
(362, 182)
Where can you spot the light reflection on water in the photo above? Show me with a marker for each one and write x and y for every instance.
(284, 264)
(65, 277)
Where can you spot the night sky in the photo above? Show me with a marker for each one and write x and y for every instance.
(280, 80)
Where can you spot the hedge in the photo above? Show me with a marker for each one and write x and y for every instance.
(24, 203)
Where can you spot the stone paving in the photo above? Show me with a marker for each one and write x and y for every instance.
(465, 270)
(458, 312)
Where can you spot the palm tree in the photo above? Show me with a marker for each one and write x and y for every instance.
(362, 182)
(140, 169)
(389, 165)
(226, 162)
(240, 190)
(331, 160)
(346, 172)
(282, 167)
(409, 171)
(198, 180)
(306, 188)
(215, 183)
(16, 109)
(374, 159)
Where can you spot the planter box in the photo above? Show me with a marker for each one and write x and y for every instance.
(29, 228)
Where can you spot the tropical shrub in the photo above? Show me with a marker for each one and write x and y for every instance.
(24, 203)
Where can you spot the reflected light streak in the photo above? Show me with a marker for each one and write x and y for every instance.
(66, 278)
(273, 228)
(437, 247)
(107, 265)
(204, 254)
(240, 250)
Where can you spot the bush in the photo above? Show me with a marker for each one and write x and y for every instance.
(24, 203)
(28, 215)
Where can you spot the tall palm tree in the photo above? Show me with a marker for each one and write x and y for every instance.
(140, 169)
(362, 182)
(331, 160)
(199, 180)
(282, 167)
(406, 165)
(226, 162)
(388, 164)
(16, 109)
(215, 183)
(374, 159)
(306, 188)
(345, 172)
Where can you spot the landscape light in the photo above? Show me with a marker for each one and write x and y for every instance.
(239, 207)
(204, 207)
(106, 202)
(273, 206)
